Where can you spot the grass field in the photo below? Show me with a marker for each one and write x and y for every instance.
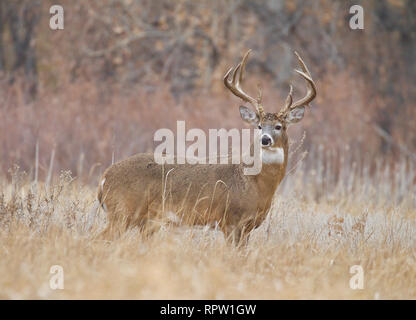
(321, 224)
(96, 92)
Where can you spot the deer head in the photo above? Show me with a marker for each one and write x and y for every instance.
(272, 125)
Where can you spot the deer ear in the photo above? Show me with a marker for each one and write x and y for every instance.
(295, 115)
(249, 115)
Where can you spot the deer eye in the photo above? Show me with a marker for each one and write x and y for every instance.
(278, 127)
(259, 127)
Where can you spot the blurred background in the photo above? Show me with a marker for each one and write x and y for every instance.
(79, 98)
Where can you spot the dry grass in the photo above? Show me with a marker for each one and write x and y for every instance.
(318, 228)
(337, 209)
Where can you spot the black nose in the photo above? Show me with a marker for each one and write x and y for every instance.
(266, 141)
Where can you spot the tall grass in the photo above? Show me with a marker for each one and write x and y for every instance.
(330, 213)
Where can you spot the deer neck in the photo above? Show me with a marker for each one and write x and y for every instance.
(274, 163)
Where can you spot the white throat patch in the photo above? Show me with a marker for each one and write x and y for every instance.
(273, 155)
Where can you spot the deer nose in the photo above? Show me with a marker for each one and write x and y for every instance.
(266, 140)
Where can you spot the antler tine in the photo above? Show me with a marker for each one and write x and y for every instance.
(235, 73)
(310, 93)
(311, 88)
(235, 85)
(302, 64)
(289, 98)
(259, 93)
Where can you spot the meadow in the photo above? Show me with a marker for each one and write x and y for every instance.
(73, 101)
(319, 226)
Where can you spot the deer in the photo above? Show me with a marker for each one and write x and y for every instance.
(136, 190)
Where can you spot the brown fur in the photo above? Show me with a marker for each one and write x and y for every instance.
(136, 189)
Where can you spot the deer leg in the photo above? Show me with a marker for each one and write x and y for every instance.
(119, 219)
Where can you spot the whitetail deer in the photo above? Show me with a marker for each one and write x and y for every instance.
(135, 190)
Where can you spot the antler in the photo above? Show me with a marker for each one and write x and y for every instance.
(310, 93)
(235, 85)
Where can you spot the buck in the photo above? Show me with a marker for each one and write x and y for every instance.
(138, 189)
